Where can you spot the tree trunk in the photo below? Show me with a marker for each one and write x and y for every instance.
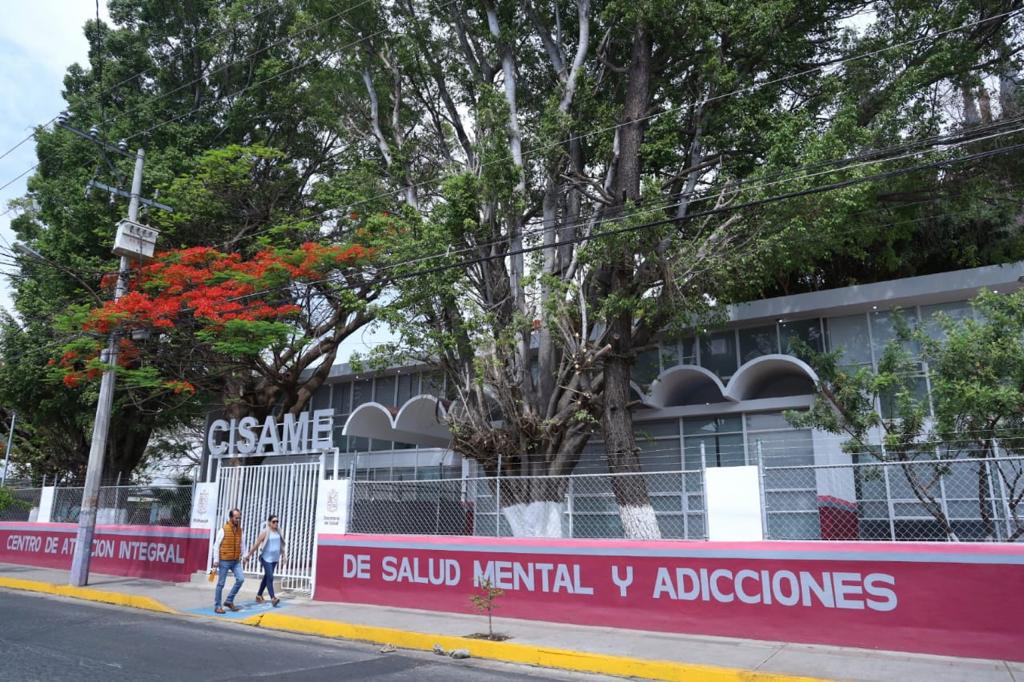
(630, 487)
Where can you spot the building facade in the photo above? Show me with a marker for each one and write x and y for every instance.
(711, 400)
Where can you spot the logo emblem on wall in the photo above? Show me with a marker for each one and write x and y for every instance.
(332, 501)
(204, 500)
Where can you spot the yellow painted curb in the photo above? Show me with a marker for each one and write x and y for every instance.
(578, 661)
(87, 593)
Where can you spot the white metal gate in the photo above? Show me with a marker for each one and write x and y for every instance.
(287, 490)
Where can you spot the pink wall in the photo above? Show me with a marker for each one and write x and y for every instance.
(954, 599)
(159, 552)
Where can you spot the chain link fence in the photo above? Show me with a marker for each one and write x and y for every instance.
(669, 504)
(130, 505)
(942, 500)
(23, 501)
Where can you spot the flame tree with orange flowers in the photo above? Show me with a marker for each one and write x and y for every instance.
(204, 321)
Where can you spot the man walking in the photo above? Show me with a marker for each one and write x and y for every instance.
(228, 549)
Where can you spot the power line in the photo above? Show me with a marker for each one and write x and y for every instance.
(627, 215)
(874, 154)
(718, 211)
(528, 152)
(740, 91)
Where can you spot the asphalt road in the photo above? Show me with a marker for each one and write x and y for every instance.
(47, 638)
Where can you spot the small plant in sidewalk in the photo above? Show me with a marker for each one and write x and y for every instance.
(484, 602)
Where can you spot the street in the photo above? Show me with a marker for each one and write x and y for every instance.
(45, 638)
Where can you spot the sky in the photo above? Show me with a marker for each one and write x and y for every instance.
(38, 41)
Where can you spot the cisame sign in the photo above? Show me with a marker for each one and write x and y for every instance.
(293, 435)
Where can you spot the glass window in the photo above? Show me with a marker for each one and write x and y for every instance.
(408, 386)
(758, 341)
(883, 329)
(808, 331)
(721, 424)
(918, 391)
(718, 353)
(377, 445)
(646, 369)
(654, 429)
(660, 455)
(322, 398)
(719, 450)
(782, 448)
(384, 390)
(340, 440)
(764, 421)
(342, 397)
(850, 335)
(957, 311)
(433, 384)
(678, 352)
(361, 392)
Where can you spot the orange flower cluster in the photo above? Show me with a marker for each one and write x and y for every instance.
(215, 287)
(209, 287)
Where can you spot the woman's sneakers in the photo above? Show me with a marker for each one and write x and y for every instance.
(275, 601)
(259, 599)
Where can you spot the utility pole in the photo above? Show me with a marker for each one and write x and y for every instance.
(7, 452)
(101, 425)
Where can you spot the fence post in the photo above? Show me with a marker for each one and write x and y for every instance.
(992, 501)
(943, 503)
(888, 503)
(117, 498)
(351, 496)
(1002, 491)
(761, 492)
(571, 495)
(497, 500)
(704, 486)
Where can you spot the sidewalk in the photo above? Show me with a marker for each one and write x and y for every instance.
(587, 649)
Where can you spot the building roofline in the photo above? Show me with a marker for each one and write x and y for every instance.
(942, 287)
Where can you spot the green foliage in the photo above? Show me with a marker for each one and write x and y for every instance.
(976, 373)
(9, 503)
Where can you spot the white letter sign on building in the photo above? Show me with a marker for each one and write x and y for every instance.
(295, 435)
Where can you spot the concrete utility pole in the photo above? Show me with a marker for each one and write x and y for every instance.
(101, 426)
(7, 452)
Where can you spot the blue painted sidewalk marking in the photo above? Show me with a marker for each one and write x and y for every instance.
(249, 608)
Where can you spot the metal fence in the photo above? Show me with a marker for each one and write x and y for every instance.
(25, 500)
(132, 505)
(577, 506)
(966, 500)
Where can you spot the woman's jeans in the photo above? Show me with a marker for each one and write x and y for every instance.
(268, 579)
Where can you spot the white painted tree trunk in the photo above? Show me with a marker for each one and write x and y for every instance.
(640, 522)
(535, 519)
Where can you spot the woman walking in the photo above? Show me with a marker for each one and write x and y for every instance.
(270, 545)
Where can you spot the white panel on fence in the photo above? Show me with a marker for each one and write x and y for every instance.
(111, 516)
(204, 506)
(332, 506)
(45, 505)
(288, 491)
(733, 503)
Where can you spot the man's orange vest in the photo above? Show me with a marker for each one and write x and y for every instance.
(231, 545)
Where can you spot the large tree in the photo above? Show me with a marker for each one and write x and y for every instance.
(238, 142)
